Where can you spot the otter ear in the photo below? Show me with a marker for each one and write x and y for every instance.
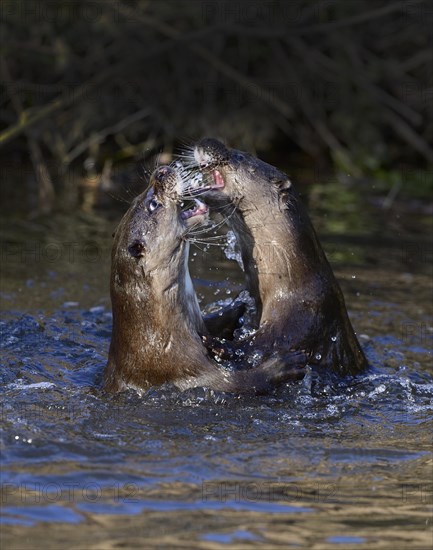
(283, 184)
(137, 249)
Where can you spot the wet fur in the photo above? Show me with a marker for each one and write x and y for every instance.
(299, 302)
(157, 324)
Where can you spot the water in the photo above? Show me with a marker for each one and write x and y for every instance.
(316, 465)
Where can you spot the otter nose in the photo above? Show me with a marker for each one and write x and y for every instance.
(162, 172)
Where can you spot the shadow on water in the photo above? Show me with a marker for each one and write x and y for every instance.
(320, 463)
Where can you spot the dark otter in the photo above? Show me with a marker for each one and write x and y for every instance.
(299, 302)
(157, 324)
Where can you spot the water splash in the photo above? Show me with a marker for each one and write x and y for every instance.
(232, 251)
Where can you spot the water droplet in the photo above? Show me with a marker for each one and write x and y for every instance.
(318, 356)
(353, 276)
(334, 338)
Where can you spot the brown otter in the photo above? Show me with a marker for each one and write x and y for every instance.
(156, 318)
(299, 302)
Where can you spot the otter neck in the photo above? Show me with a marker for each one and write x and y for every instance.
(276, 253)
(174, 286)
(149, 319)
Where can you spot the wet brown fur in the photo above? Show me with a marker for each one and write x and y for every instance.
(299, 302)
(157, 324)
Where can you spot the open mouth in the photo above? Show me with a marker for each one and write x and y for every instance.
(199, 209)
(218, 180)
(206, 164)
(216, 184)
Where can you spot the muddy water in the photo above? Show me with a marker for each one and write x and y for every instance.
(346, 465)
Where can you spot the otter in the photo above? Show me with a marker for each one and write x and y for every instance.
(157, 323)
(298, 300)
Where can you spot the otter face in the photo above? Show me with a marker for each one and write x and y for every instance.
(235, 175)
(152, 234)
(213, 159)
(210, 152)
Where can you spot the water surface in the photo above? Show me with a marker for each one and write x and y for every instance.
(315, 465)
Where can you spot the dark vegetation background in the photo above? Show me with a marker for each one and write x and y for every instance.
(327, 86)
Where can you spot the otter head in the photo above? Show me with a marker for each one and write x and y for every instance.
(150, 241)
(235, 176)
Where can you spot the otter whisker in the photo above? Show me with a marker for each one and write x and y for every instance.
(230, 214)
(189, 164)
(187, 149)
(156, 161)
(187, 154)
(208, 229)
(194, 195)
(218, 224)
(202, 247)
(193, 240)
(118, 198)
(185, 144)
(213, 239)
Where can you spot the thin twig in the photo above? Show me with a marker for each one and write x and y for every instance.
(100, 136)
(223, 68)
(45, 185)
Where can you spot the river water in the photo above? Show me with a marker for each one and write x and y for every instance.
(319, 466)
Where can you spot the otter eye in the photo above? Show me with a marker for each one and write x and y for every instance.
(153, 205)
(137, 249)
